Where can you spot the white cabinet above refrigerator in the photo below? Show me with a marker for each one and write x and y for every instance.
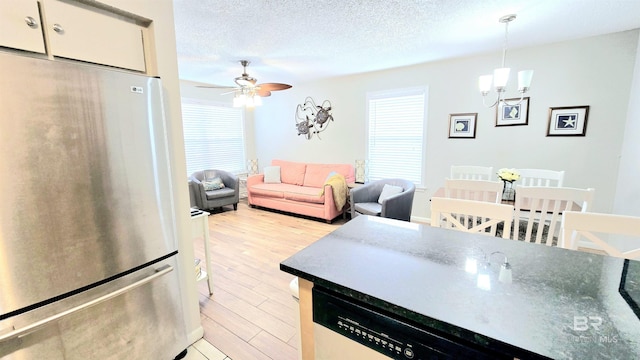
(73, 30)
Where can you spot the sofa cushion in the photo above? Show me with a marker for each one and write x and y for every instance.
(291, 172)
(269, 190)
(304, 194)
(272, 174)
(220, 193)
(368, 208)
(388, 191)
(316, 174)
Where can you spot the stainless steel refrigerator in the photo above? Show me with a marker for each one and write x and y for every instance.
(87, 226)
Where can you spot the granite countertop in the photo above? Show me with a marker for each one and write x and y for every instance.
(561, 304)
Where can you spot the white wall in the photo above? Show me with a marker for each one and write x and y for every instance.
(594, 71)
(627, 200)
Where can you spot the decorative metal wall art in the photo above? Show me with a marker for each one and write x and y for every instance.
(311, 118)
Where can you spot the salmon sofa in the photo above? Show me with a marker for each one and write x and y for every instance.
(300, 188)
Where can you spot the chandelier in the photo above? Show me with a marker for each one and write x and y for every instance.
(311, 118)
(501, 75)
(248, 97)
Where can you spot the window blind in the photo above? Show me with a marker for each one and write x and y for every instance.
(213, 136)
(396, 134)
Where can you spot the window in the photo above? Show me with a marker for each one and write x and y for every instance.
(396, 127)
(213, 136)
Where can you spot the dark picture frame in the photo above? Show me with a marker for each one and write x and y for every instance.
(512, 115)
(462, 126)
(568, 121)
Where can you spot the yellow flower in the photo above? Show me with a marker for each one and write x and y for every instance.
(508, 174)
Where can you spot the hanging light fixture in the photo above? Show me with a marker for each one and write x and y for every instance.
(247, 97)
(501, 75)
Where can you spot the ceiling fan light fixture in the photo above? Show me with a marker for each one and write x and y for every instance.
(245, 81)
(239, 100)
(248, 93)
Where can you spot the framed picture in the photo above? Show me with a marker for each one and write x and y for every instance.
(462, 125)
(568, 121)
(509, 115)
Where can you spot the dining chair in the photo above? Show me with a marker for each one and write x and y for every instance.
(617, 235)
(469, 172)
(538, 211)
(479, 190)
(471, 216)
(540, 177)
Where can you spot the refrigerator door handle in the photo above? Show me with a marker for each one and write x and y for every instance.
(38, 324)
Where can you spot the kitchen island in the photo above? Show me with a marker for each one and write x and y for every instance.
(559, 304)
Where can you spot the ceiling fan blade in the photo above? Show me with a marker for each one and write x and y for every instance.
(229, 92)
(274, 86)
(215, 87)
(263, 92)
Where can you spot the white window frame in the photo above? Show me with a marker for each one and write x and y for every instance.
(210, 129)
(378, 172)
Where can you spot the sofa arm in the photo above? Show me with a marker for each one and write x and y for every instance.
(254, 179)
(251, 181)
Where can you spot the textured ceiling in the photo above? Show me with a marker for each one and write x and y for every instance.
(294, 41)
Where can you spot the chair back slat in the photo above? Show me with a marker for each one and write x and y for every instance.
(540, 208)
(470, 172)
(540, 177)
(478, 190)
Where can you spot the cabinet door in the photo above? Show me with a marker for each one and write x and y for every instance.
(20, 26)
(82, 33)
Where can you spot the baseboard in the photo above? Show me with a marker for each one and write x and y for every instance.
(195, 335)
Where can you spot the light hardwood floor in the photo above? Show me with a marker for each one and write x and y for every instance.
(251, 314)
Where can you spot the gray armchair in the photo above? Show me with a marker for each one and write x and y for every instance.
(364, 200)
(205, 200)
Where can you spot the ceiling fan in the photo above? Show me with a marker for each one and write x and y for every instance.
(247, 84)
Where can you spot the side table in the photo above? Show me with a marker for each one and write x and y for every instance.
(347, 206)
(243, 186)
(200, 229)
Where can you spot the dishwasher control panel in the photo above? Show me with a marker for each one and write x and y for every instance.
(383, 333)
(373, 339)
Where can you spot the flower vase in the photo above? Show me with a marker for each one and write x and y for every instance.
(508, 193)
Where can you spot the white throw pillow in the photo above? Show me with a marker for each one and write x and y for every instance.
(272, 175)
(388, 191)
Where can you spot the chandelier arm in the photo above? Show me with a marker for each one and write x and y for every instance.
(514, 104)
(494, 103)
